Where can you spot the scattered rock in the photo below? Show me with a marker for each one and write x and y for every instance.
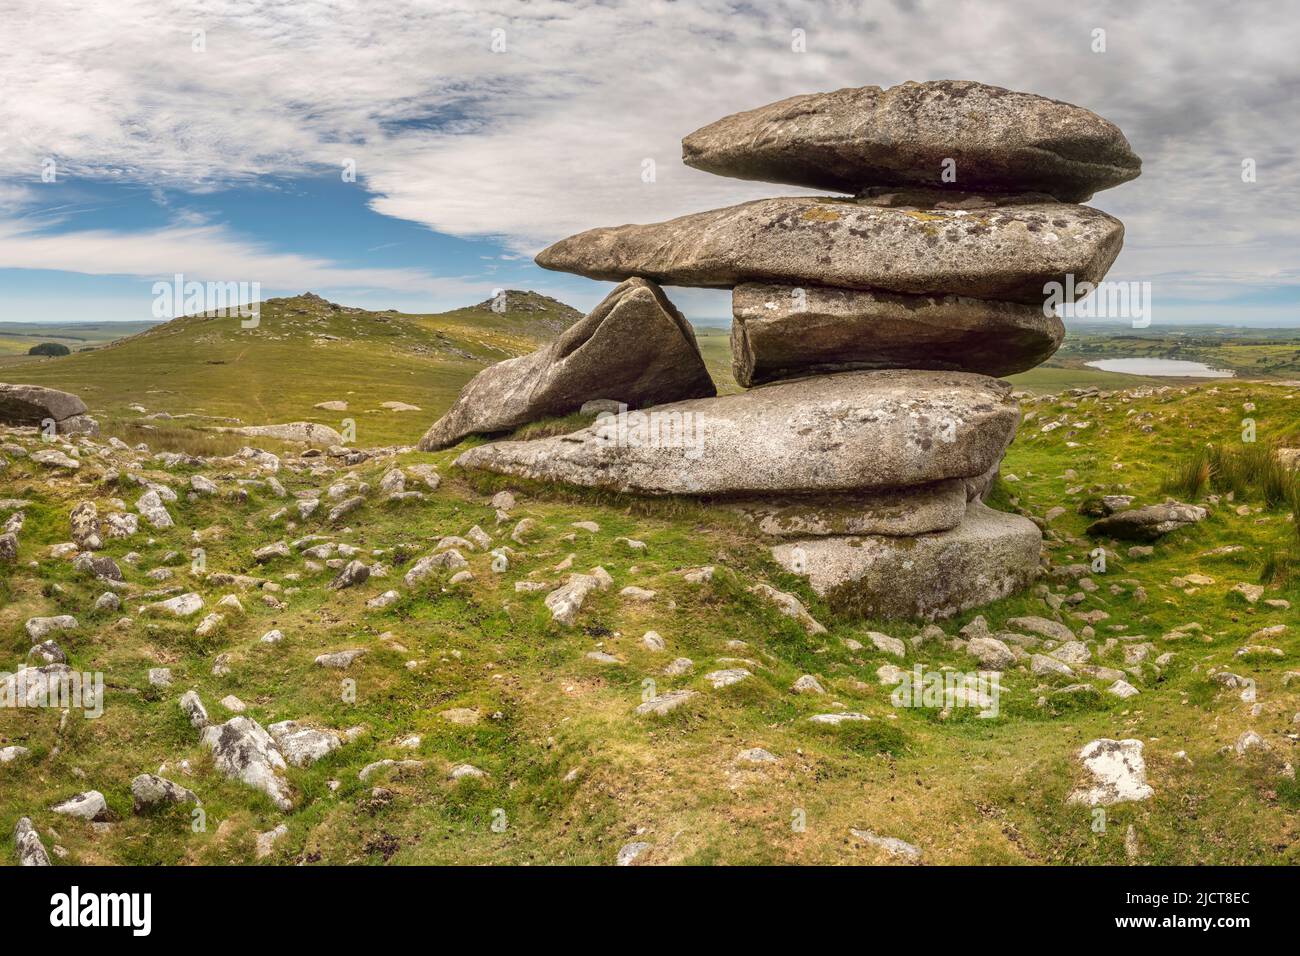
(152, 791)
(1118, 773)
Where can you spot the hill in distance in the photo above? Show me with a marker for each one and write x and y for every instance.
(304, 351)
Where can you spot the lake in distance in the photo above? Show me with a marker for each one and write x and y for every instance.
(1175, 368)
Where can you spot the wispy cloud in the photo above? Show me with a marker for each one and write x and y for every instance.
(553, 133)
(205, 253)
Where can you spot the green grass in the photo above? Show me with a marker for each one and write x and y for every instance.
(572, 773)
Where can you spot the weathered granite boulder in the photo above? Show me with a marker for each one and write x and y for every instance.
(36, 404)
(781, 331)
(307, 432)
(855, 431)
(28, 846)
(150, 791)
(634, 348)
(84, 522)
(1118, 773)
(1005, 248)
(988, 556)
(1148, 523)
(893, 511)
(911, 134)
(243, 750)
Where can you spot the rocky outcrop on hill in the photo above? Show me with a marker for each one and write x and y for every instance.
(871, 324)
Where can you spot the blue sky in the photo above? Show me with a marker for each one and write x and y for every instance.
(209, 138)
(318, 218)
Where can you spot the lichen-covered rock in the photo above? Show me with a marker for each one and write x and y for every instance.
(911, 134)
(1118, 773)
(28, 845)
(664, 703)
(84, 521)
(243, 750)
(1147, 523)
(306, 432)
(36, 404)
(153, 510)
(183, 605)
(39, 628)
(1006, 249)
(783, 331)
(855, 431)
(634, 347)
(892, 845)
(566, 601)
(352, 574)
(991, 653)
(151, 791)
(790, 606)
(303, 746)
(988, 556)
(89, 805)
(192, 707)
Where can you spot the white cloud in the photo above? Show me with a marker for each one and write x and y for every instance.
(204, 253)
(549, 137)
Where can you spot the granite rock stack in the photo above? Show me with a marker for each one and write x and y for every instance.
(868, 330)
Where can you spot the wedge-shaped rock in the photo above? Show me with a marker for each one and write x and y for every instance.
(1008, 251)
(633, 348)
(854, 431)
(988, 137)
(781, 331)
(986, 557)
(893, 511)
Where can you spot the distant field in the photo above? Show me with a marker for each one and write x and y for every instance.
(1251, 353)
(17, 337)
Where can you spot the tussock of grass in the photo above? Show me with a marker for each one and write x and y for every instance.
(1248, 470)
(1251, 470)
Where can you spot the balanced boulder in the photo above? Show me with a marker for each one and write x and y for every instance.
(634, 348)
(982, 137)
(871, 326)
(855, 431)
(988, 556)
(1004, 247)
(780, 331)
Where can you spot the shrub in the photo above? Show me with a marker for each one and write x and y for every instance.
(49, 348)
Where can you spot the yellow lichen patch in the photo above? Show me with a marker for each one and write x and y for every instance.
(818, 214)
(922, 216)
